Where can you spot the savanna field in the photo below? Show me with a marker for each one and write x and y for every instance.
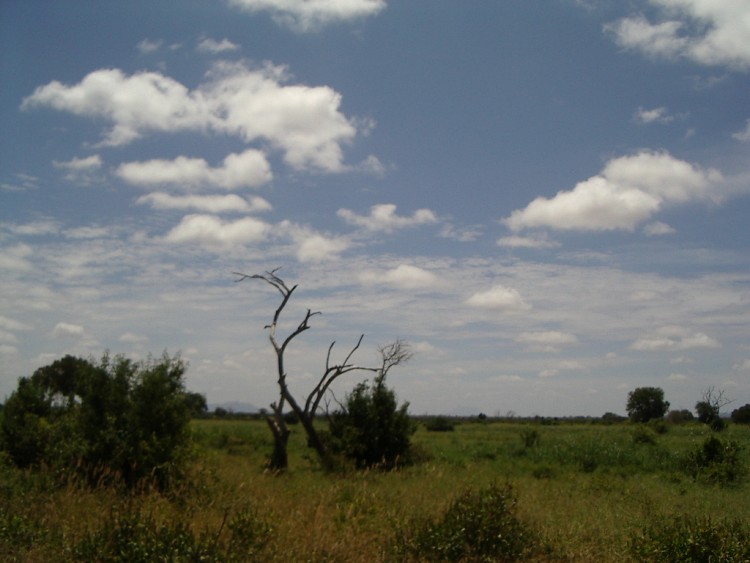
(551, 490)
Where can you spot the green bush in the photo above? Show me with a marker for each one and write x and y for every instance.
(117, 420)
(741, 415)
(439, 424)
(371, 429)
(530, 438)
(479, 525)
(693, 539)
(717, 462)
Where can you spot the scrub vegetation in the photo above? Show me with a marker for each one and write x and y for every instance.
(490, 490)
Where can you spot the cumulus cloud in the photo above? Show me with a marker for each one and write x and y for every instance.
(626, 193)
(67, 331)
(208, 204)
(247, 169)
(304, 122)
(499, 297)
(383, 217)
(709, 33)
(210, 230)
(547, 340)
(212, 46)
(674, 338)
(311, 246)
(404, 276)
(311, 15)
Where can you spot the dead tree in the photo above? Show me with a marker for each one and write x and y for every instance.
(305, 412)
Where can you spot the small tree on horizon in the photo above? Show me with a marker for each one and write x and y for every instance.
(646, 403)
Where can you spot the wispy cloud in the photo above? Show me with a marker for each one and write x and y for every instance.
(312, 15)
(383, 218)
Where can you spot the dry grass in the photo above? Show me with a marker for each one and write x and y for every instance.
(586, 515)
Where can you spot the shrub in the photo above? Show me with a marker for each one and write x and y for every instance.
(680, 417)
(116, 420)
(741, 415)
(133, 535)
(478, 525)
(716, 461)
(693, 539)
(642, 435)
(371, 429)
(530, 438)
(439, 424)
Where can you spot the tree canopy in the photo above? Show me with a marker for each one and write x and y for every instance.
(646, 403)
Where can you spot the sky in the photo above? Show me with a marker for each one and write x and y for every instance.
(548, 200)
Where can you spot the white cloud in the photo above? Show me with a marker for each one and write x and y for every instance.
(710, 32)
(743, 136)
(67, 330)
(81, 170)
(304, 122)
(404, 276)
(656, 115)
(311, 246)
(677, 377)
(149, 46)
(499, 297)
(383, 217)
(210, 230)
(6, 323)
(208, 45)
(14, 258)
(208, 204)
(516, 241)
(547, 340)
(657, 228)
(674, 338)
(319, 248)
(247, 169)
(310, 15)
(628, 191)
(132, 338)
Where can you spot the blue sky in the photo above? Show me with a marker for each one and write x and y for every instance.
(547, 199)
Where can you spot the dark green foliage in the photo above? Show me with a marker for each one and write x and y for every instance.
(717, 462)
(197, 405)
(680, 417)
(371, 429)
(439, 424)
(646, 403)
(530, 438)
(741, 415)
(642, 435)
(478, 525)
(118, 420)
(612, 418)
(693, 539)
(707, 412)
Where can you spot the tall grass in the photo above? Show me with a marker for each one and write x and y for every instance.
(586, 489)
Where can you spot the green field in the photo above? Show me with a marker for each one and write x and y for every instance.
(586, 488)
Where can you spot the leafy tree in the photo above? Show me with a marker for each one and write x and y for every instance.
(371, 429)
(117, 418)
(741, 415)
(646, 403)
(196, 403)
(709, 408)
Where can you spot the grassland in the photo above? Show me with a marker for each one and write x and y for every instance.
(587, 489)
